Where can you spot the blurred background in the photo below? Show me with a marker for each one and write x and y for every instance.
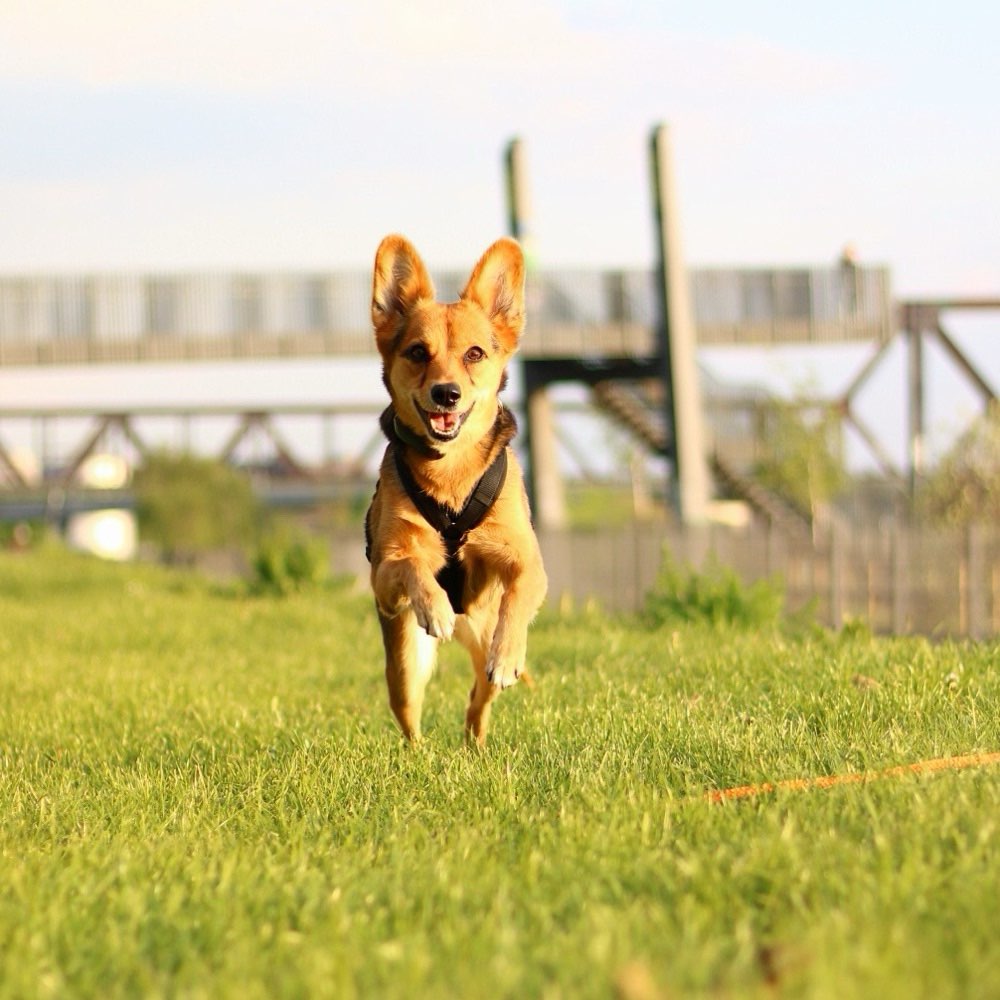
(192, 194)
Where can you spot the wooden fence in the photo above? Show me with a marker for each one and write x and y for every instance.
(897, 579)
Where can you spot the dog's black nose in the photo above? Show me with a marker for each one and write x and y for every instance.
(446, 393)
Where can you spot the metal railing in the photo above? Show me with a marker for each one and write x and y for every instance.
(106, 317)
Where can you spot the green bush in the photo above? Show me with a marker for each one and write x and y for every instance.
(965, 485)
(188, 505)
(288, 560)
(716, 596)
(21, 535)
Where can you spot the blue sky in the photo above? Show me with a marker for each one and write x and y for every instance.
(216, 133)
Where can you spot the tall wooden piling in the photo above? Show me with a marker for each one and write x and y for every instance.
(689, 485)
(545, 481)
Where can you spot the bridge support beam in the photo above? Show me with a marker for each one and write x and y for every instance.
(690, 487)
(9, 467)
(106, 423)
(545, 481)
(916, 407)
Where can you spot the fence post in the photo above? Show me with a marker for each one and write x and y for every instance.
(836, 577)
(995, 599)
(871, 595)
(899, 578)
(975, 582)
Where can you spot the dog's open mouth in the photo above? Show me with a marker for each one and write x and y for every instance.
(443, 425)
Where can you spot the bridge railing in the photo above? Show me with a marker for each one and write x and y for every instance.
(793, 305)
(108, 317)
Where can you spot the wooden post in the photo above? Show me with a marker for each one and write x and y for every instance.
(545, 483)
(899, 577)
(974, 545)
(916, 398)
(963, 593)
(836, 578)
(677, 343)
(995, 599)
(871, 598)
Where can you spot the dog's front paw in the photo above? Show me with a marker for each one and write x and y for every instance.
(503, 673)
(435, 614)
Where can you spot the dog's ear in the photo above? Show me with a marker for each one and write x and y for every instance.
(401, 280)
(497, 287)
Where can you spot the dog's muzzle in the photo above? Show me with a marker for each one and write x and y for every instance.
(443, 425)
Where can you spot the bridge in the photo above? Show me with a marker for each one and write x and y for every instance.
(595, 326)
(108, 318)
(598, 326)
(629, 335)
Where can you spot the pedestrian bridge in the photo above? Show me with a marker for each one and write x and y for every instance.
(101, 318)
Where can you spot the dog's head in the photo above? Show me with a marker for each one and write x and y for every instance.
(444, 363)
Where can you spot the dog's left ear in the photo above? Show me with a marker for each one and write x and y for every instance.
(497, 287)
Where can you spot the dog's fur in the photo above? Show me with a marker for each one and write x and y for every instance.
(444, 365)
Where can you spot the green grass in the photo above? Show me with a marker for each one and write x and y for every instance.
(202, 794)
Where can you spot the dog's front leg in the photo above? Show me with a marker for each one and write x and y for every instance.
(399, 583)
(522, 597)
(410, 654)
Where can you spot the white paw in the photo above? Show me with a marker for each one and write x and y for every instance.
(502, 674)
(436, 617)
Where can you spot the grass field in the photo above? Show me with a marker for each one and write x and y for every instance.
(202, 794)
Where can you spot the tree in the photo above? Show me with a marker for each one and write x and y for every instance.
(801, 457)
(965, 485)
(189, 505)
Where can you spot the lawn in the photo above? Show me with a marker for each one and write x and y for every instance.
(202, 794)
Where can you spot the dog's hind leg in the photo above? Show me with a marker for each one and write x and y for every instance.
(410, 655)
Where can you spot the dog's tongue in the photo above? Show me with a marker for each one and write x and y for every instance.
(443, 423)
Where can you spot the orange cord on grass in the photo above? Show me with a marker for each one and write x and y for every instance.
(853, 778)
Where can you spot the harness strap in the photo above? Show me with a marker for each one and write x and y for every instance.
(454, 526)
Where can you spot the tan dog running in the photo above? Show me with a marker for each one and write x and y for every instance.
(449, 532)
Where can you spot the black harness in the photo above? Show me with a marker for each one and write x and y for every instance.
(452, 526)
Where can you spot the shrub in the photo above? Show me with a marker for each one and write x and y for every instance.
(716, 596)
(965, 485)
(21, 535)
(802, 455)
(188, 505)
(288, 560)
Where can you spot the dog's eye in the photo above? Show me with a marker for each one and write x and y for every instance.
(474, 354)
(418, 353)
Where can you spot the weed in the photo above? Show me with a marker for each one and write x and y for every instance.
(288, 559)
(715, 596)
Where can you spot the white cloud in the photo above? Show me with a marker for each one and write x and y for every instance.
(182, 131)
(380, 46)
(250, 46)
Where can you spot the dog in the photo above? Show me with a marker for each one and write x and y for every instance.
(449, 533)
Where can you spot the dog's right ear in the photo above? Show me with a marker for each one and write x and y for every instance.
(400, 281)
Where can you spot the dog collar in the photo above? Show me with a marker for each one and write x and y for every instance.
(413, 440)
(399, 434)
